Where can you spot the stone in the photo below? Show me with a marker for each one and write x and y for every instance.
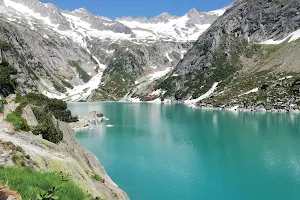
(29, 116)
(10, 197)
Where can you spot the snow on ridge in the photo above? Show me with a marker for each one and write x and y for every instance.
(290, 38)
(25, 10)
(218, 12)
(204, 96)
(159, 74)
(174, 30)
(286, 77)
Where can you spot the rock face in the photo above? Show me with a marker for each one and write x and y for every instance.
(29, 116)
(86, 122)
(241, 51)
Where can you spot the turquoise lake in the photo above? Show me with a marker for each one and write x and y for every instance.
(172, 152)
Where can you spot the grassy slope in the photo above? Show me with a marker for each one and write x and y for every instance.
(29, 183)
(268, 63)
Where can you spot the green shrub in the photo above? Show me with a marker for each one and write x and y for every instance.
(47, 128)
(43, 109)
(15, 158)
(5, 45)
(56, 106)
(49, 195)
(7, 83)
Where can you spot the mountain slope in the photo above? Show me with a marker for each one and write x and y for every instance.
(249, 50)
(65, 53)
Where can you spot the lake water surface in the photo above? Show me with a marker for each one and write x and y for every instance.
(172, 152)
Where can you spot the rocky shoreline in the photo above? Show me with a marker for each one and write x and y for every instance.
(237, 108)
(88, 122)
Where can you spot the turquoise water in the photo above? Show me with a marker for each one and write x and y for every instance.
(172, 152)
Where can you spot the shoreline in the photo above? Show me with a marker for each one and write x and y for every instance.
(237, 109)
(201, 107)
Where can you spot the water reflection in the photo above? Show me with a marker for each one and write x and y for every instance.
(183, 153)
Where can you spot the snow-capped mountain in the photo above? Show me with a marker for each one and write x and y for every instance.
(168, 27)
(82, 22)
(69, 45)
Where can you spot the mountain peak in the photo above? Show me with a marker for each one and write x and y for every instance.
(163, 17)
(165, 14)
(193, 11)
(81, 10)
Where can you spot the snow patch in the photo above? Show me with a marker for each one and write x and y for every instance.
(27, 11)
(173, 30)
(79, 92)
(204, 96)
(182, 53)
(158, 100)
(153, 67)
(159, 74)
(251, 91)
(168, 56)
(156, 92)
(234, 108)
(286, 77)
(110, 51)
(291, 37)
(218, 12)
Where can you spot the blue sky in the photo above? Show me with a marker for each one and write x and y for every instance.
(136, 8)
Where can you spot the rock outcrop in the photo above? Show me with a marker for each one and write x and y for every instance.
(87, 122)
(29, 116)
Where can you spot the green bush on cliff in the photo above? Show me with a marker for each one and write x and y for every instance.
(56, 106)
(46, 127)
(7, 84)
(29, 183)
(43, 109)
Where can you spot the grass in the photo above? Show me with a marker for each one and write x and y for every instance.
(98, 178)
(18, 122)
(29, 183)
